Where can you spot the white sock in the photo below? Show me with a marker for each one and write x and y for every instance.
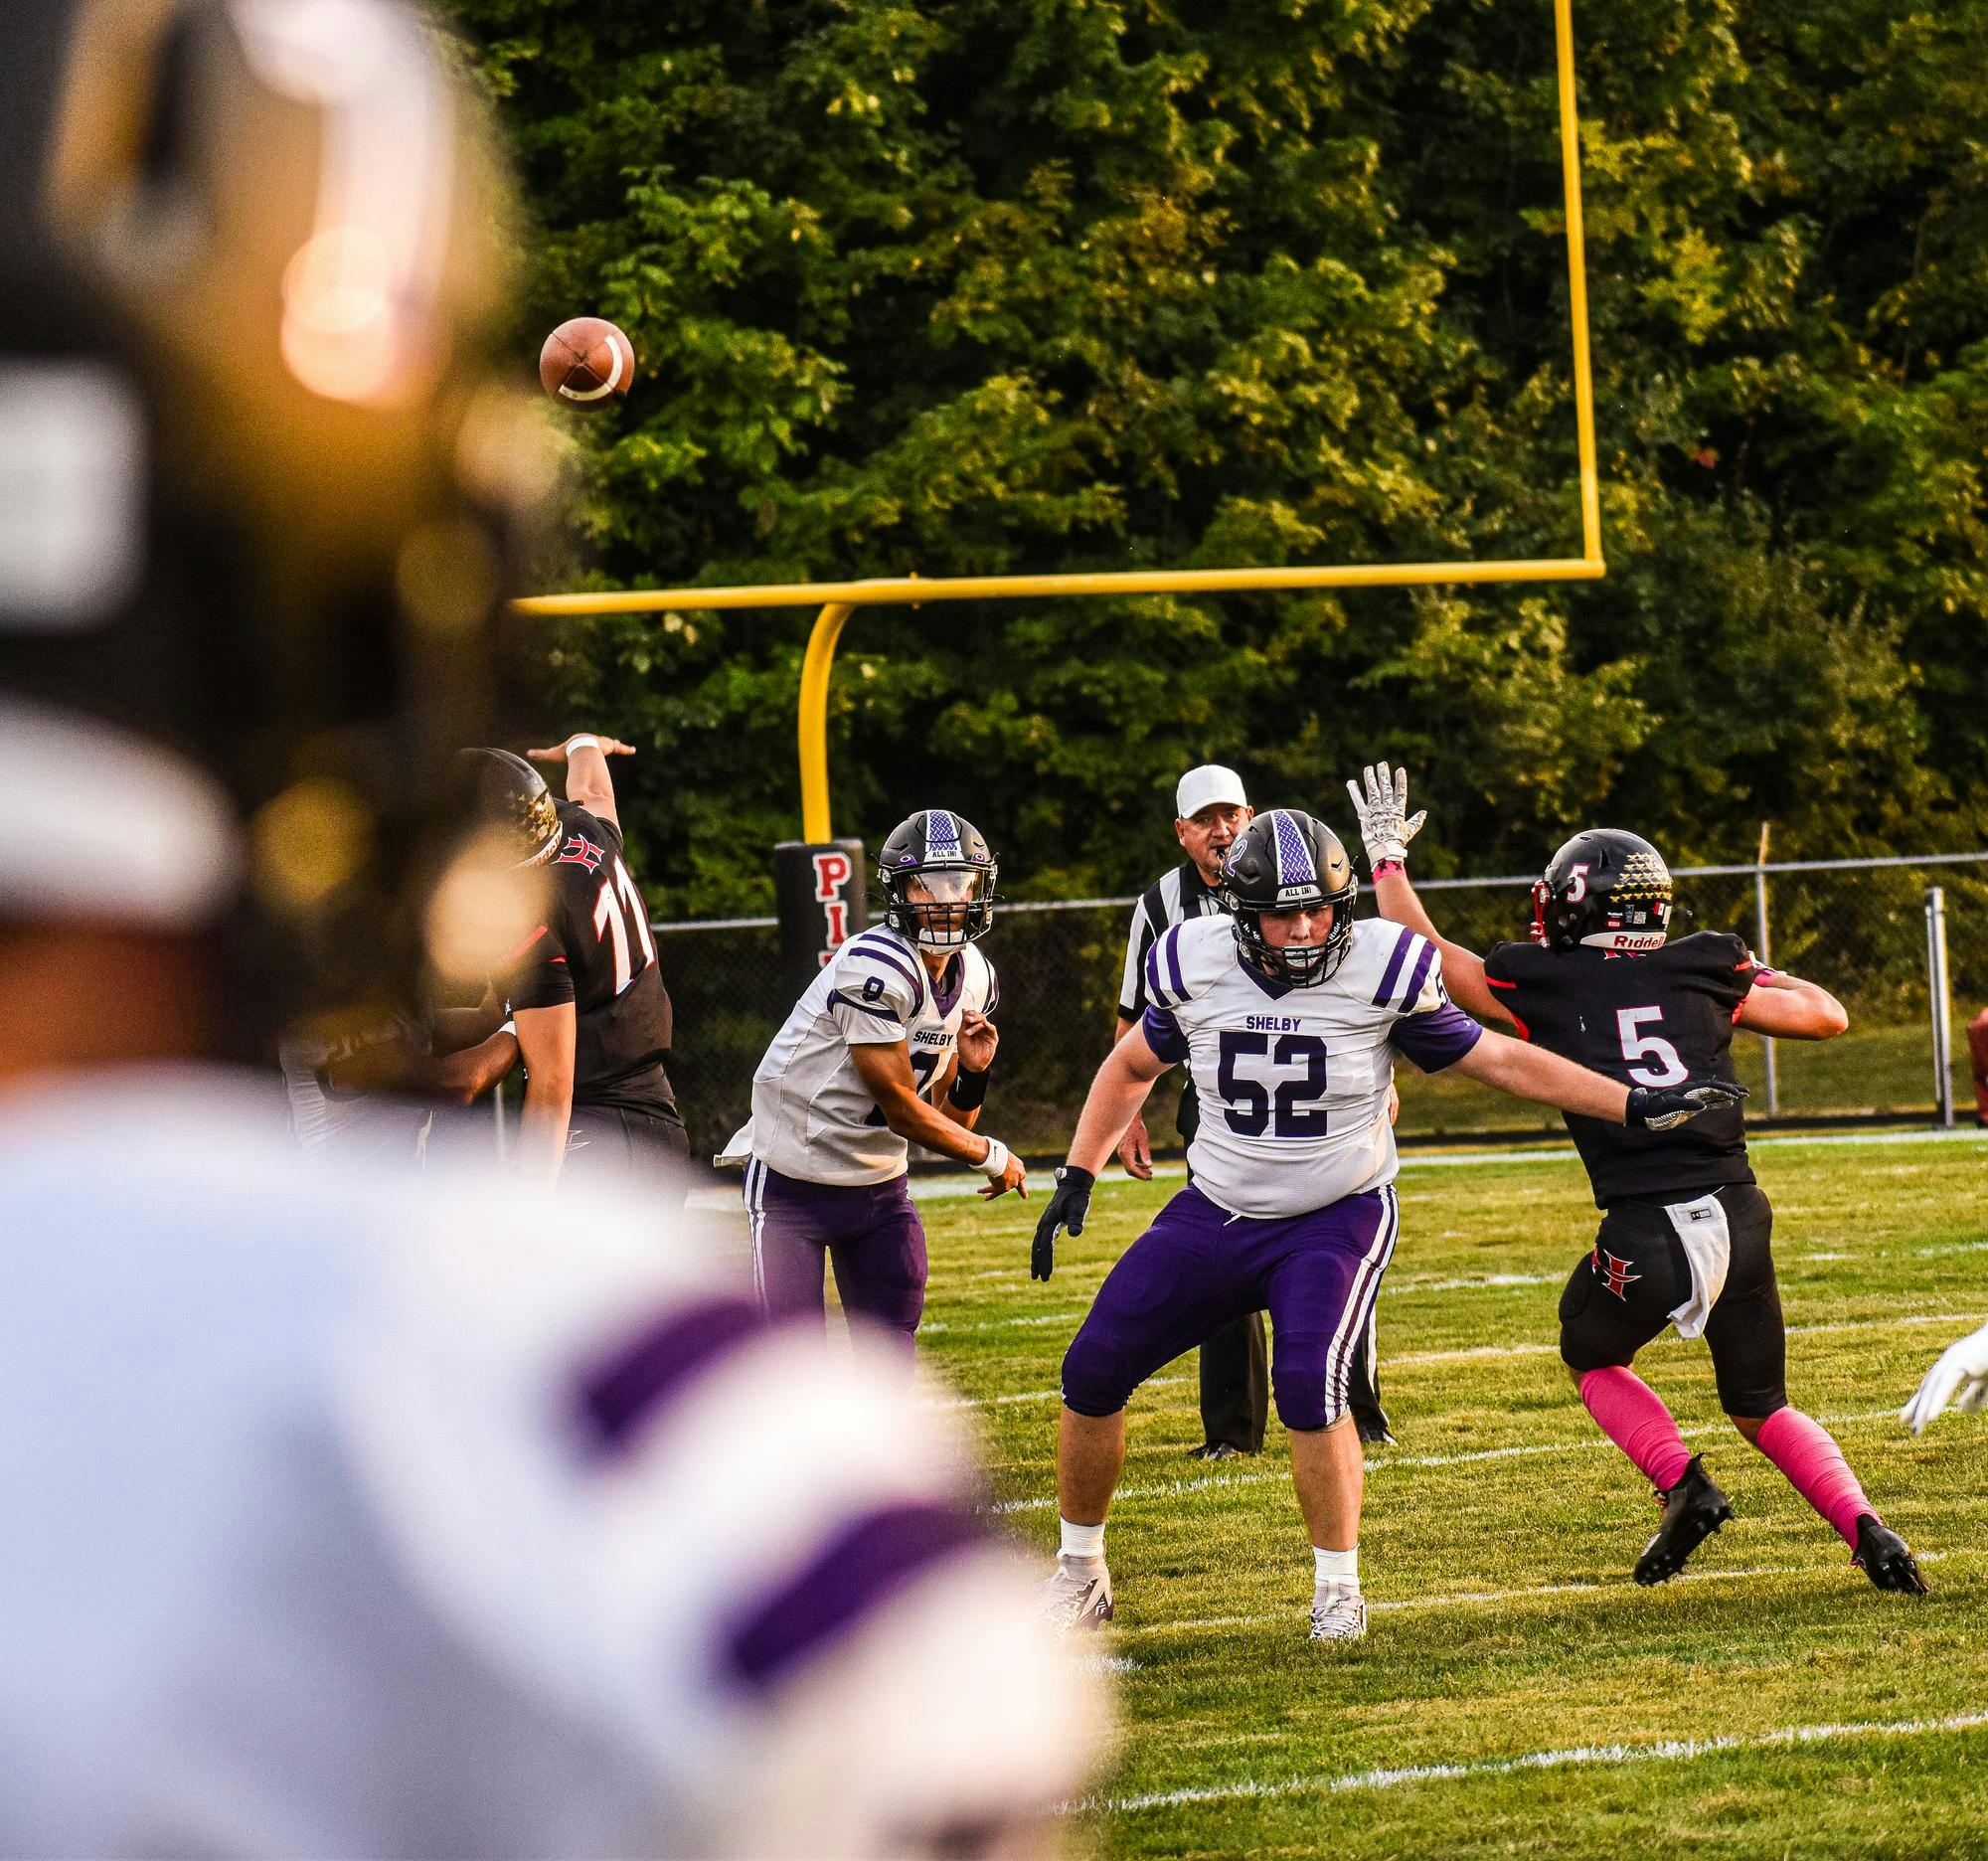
(1335, 1570)
(1081, 1541)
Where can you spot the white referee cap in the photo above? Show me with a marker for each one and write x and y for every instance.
(1208, 787)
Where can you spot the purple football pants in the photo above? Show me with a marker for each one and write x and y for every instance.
(871, 1232)
(1197, 1268)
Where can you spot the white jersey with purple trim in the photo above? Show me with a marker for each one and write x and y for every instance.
(350, 1516)
(814, 1119)
(1293, 1082)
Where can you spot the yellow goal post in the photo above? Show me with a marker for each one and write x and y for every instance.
(838, 599)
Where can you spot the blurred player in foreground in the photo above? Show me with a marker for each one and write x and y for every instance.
(1685, 1236)
(348, 1516)
(586, 993)
(891, 1046)
(1289, 1014)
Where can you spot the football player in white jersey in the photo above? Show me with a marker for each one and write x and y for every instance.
(1289, 1014)
(889, 1047)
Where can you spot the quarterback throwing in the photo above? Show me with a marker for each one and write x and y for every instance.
(1288, 1014)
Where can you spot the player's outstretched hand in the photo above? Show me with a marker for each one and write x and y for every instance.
(1958, 1380)
(1664, 1108)
(1383, 813)
(1068, 1206)
(608, 745)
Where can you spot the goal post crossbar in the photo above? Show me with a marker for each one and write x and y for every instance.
(837, 600)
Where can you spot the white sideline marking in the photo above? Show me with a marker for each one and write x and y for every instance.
(1624, 1587)
(1794, 1330)
(1393, 1778)
(1173, 1489)
(947, 1188)
(1473, 1351)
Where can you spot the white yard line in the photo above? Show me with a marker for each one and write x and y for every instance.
(1662, 1749)
(1466, 1598)
(1178, 1488)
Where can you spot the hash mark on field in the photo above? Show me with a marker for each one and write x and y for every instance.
(1473, 1351)
(1663, 1748)
(1174, 1489)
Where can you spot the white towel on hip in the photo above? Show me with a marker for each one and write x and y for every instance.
(1707, 1245)
(738, 1152)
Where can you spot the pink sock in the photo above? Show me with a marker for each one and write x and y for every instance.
(1634, 1418)
(1808, 1454)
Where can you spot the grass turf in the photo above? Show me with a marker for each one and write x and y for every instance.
(1498, 1538)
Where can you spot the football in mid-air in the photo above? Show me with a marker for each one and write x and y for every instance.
(586, 362)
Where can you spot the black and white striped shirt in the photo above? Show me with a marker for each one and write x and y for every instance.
(1174, 896)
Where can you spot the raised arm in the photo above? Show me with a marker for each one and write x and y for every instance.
(587, 782)
(1385, 830)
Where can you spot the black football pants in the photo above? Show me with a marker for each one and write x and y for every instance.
(1623, 1294)
(614, 1147)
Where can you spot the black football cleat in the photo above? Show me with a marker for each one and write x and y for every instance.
(1694, 1509)
(1884, 1557)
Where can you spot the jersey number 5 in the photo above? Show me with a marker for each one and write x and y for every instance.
(619, 906)
(1247, 1103)
(1666, 1068)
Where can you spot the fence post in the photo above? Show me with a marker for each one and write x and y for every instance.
(1942, 1005)
(1761, 950)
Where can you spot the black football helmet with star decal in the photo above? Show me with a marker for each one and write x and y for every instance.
(1603, 890)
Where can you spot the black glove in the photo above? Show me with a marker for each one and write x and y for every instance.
(1662, 1108)
(1069, 1205)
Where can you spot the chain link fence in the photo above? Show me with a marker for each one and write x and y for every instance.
(1858, 927)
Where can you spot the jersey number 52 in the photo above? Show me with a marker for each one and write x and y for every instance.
(1291, 1109)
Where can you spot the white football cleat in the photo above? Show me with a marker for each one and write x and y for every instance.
(1338, 1615)
(1076, 1596)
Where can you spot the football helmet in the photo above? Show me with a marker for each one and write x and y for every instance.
(1604, 890)
(504, 791)
(1284, 861)
(945, 854)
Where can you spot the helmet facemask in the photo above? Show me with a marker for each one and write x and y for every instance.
(943, 908)
(1299, 966)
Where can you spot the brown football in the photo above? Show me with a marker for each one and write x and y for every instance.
(586, 362)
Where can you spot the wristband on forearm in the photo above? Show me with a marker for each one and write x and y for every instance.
(1382, 868)
(994, 1166)
(968, 1091)
(581, 740)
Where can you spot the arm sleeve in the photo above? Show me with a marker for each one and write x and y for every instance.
(1729, 969)
(1163, 1035)
(1432, 1030)
(873, 996)
(1138, 944)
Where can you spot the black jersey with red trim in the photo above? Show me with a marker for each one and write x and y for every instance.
(595, 949)
(1653, 1019)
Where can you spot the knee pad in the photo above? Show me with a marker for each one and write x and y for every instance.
(1097, 1379)
(1305, 1398)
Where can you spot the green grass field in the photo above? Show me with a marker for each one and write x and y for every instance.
(1498, 1539)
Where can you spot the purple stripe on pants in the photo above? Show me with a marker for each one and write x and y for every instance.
(871, 1232)
(1197, 1268)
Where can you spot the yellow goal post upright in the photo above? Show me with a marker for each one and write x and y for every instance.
(838, 599)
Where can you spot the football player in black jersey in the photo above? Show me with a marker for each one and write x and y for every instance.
(1685, 1229)
(593, 1016)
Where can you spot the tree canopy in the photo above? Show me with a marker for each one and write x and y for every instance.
(1074, 284)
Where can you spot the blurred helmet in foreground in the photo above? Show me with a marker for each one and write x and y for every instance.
(265, 490)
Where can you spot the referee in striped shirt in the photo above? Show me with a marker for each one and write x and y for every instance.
(1210, 808)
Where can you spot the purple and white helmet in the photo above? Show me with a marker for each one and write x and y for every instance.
(937, 878)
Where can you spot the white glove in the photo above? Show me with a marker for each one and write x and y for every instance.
(1381, 811)
(1959, 1377)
